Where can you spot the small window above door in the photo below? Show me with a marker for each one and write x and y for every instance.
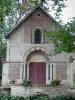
(37, 36)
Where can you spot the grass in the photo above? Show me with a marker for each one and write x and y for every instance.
(73, 82)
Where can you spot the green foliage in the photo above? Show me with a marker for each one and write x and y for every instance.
(74, 82)
(58, 5)
(37, 97)
(55, 82)
(7, 97)
(0, 67)
(51, 5)
(63, 97)
(6, 7)
(2, 47)
(64, 36)
(35, 2)
(11, 11)
(26, 82)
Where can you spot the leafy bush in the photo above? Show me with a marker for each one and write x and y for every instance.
(74, 82)
(8, 97)
(26, 82)
(55, 82)
(37, 97)
(12, 82)
(63, 97)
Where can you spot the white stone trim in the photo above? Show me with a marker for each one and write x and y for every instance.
(50, 71)
(28, 70)
(33, 32)
(54, 68)
(33, 49)
(69, 72)
(5, 74)
(19, 44)
(49, 81)
(71, 77)
(22, 52)
(46, 73)
(43, 50)
(24, 70)
(42, 39)
(8, 51)
(21, 72)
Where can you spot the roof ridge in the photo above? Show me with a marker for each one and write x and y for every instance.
(27, 16)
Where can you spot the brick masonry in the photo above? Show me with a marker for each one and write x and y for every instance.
(61, 71)
(61, 68)
(14, 71)
(5, 90)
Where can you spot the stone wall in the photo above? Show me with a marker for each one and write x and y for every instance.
(5, 90)
(23, 33)
(51, 91)
(14, 71)
(61, 68)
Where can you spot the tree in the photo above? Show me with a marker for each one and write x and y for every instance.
(11, 11)
(6, 7)
(2, 47)
(50, 5)
(63, 38)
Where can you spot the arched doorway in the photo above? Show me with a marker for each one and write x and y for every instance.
(37, 67)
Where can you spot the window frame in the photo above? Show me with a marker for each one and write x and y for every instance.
(33, 37)
(37, 34)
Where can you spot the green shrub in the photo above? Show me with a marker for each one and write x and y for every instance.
(63, 97)
(39, 97)
(26, 82)
(8, 97)
(55, 82)
(74, 82)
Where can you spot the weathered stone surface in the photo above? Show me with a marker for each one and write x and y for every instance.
(61, 71)
(51, 91)
(5, 90)
(14, 71)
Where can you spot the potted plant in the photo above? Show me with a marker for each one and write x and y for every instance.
(55, 82)
(26, 82)
(12, 82)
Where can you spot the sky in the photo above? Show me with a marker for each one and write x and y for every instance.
(69, 11)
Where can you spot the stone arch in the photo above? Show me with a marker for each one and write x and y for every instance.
(36, 27)
(35, 50)
(33, 32)
(37, 56)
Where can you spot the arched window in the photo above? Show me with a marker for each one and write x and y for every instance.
(37, 36)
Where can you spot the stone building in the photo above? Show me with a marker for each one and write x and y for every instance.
(29, 52)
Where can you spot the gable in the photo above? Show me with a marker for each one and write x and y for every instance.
(39, 12)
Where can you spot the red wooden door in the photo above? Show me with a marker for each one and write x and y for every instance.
(37, 73)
